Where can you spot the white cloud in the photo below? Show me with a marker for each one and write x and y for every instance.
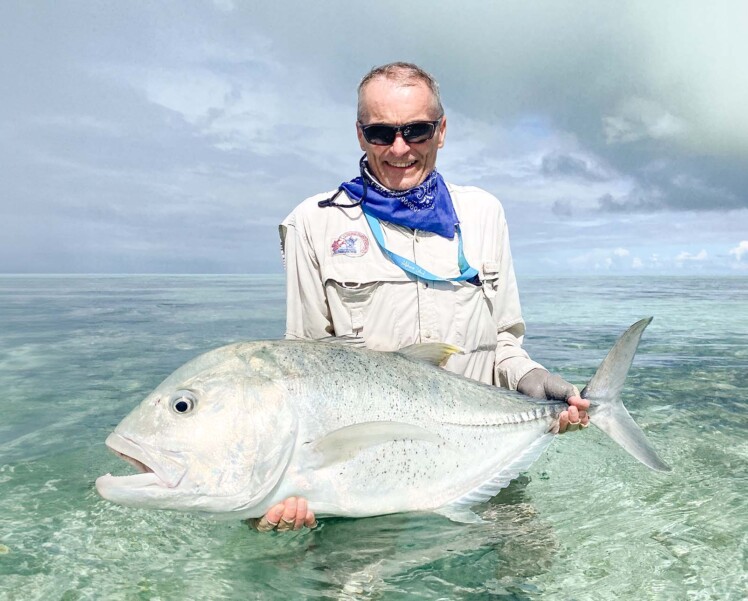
(191, 93)
(256, 105)
(601, 258)
(636, 263)
(638, 119)
(686, 256)
(740, 250)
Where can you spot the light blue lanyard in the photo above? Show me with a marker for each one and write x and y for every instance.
(466, 272)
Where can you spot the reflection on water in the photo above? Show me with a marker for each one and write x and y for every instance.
(588, 522)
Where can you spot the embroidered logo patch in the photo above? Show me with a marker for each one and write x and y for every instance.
(351, 244)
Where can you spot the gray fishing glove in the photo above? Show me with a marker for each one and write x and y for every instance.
(541, 384)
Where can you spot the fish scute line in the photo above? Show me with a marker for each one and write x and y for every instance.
(521, 418)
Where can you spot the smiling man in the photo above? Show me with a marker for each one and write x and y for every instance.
(398, 256)
(400, 164)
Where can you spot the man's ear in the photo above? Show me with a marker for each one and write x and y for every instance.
(361, 139)
(442, 133)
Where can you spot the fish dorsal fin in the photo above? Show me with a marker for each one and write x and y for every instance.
(435, 353)
(346, 340)
(491, 487)
(345, 443)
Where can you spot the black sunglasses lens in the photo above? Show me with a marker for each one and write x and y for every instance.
(418, 132)
(382, 135)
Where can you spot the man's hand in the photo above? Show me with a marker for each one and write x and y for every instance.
(291, 514)
(576, 416)
(540, 384)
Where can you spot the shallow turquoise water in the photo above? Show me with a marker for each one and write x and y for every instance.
(587, 522)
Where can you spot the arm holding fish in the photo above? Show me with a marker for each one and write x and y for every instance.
(307, 316)
(513, 367)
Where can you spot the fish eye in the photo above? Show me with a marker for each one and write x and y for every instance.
(183, 401)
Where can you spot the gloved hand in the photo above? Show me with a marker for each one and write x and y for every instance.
(540, 384)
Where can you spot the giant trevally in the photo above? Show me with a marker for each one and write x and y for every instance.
(355, 431)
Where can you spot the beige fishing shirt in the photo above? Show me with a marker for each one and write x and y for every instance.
(339, 282)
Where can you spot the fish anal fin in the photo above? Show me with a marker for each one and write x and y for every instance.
(462, 515)
(491, 487)
(435, 353)
(345, 443)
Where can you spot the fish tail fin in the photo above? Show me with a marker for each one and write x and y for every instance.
(607, 411)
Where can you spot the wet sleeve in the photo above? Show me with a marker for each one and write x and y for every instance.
(307, 312)
(511, 361)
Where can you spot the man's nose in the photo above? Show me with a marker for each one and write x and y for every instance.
(400, 146)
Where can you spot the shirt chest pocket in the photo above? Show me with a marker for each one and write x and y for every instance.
(490, 278)
(349, 303)
(352, 287)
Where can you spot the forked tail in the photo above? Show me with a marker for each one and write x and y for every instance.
(606, 409)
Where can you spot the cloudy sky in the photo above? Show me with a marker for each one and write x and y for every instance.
(172, 137)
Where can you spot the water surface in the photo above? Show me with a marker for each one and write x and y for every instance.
(586, 522)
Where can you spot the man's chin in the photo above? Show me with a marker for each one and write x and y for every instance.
(404, 181)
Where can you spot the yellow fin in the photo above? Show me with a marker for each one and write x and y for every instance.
(435, 353)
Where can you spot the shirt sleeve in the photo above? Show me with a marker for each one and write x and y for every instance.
(307, 312)
(512, 361)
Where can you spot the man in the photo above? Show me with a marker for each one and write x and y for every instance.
(398, 256)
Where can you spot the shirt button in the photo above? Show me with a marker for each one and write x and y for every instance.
(427, 334)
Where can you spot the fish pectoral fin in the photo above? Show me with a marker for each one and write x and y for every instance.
(461, 515)
(345, 443)
(435, 353)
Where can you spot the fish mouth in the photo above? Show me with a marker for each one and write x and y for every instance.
(156, 467)
(138, 465)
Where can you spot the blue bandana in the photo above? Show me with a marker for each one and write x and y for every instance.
(426, 207)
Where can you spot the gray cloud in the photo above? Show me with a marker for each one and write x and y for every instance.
(570, 166)
(562, 208)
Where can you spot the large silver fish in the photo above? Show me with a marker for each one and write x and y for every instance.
(356, 432)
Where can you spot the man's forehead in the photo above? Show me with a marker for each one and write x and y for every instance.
(384, 94)
(383, 83)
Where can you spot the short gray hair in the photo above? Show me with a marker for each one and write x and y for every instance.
(405, 74)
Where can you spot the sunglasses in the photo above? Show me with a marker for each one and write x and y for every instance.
(413, 133)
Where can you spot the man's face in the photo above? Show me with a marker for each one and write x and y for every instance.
(401, 165)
